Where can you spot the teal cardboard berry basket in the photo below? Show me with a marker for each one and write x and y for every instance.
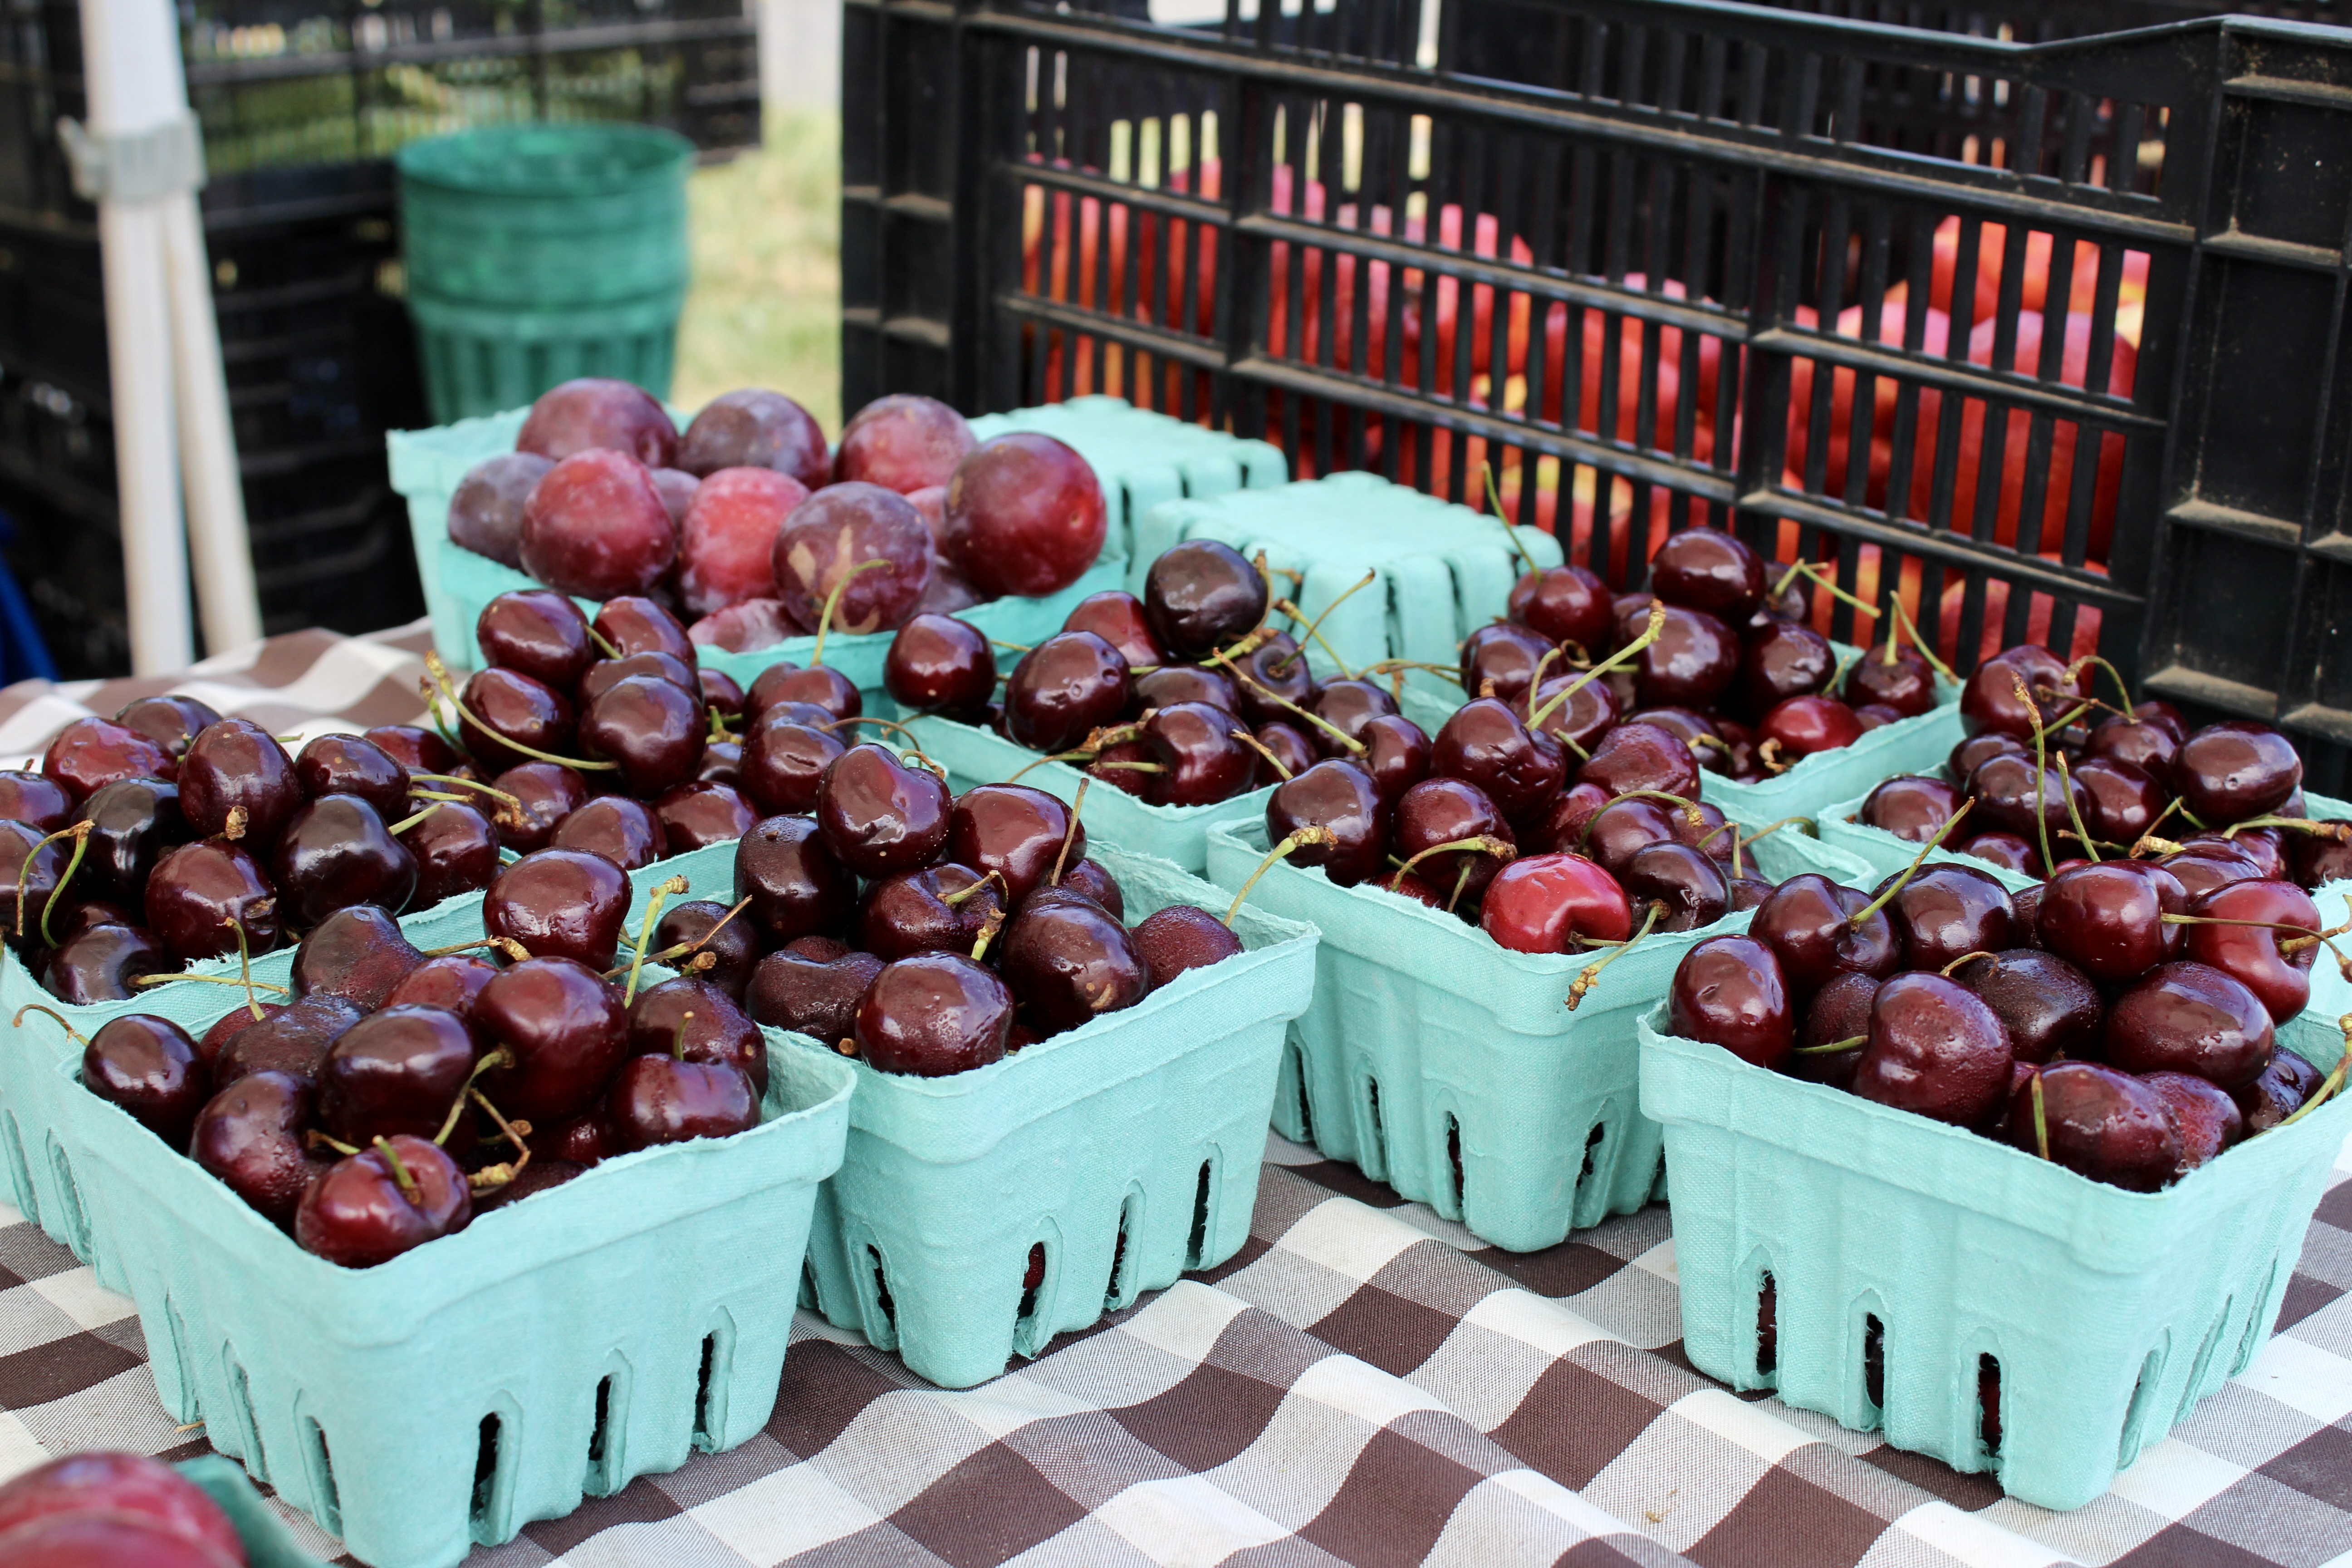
(33, 1156)
(1936, 1255)
(552, 1351)
(267, 1542)
(1454, 1069)
(1127, 1149)
(1179, 834)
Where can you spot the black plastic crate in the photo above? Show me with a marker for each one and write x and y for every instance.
(1662, 222)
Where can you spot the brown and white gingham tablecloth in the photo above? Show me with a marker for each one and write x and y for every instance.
(1365, 1384)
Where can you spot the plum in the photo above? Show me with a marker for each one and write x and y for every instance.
(676, 487)
(903, 442)
(726, 553)
(596, 527)
(842, 527)
(748, 627)
(486, 513)
(755, 429)
(1025, 515)
(595, 413)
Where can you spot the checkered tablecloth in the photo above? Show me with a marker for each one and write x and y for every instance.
(1364, 1384)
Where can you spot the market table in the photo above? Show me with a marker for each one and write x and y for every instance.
(1365, 1383)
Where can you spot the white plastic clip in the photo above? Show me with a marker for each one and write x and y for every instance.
(136, 166)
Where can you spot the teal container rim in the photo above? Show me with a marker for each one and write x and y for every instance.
(527, 161)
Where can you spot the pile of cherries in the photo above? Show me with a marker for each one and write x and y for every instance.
(2045, 766)
(2110, 1019)
(1733, 669)
(749, 527)
(103, 1508)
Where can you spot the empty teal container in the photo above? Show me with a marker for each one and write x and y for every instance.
(1453, 1068)
(1127, 1149)
(2110, 1314)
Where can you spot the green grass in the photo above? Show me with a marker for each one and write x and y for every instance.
(765, 308)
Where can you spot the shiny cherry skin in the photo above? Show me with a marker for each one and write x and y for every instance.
(1502, 660)
(455, 850)
(2191, 1017)
(1201, 595)
(334, 852)
(693, 1019)
(1290, 750)
(399, 1070)
(1014, 831)
(1969, 754)
(2004, 849)
(2283, 1088)
(1935, 1048)
(818, 685)
(420, 750)
(1728, 991)
(2009, 791)
(100, 963)
(1563, 604)
(1641, 756)
(1273, 669)
(1181, 938)
(360, 1213)
(1066, 960)
(2202, 867)
(650, 728)
(1692, 662)
(661, 1099)
(354, 765)
(2314, 861)
(2098, 1122)
(2251, 953)
(796, 885)
(1803, 726)
(1945, 910)
(2122, 801)
(29, 872)
(564, 1028)
(545, 794)
(1690, 886)
(452, 982)
(608, 673)
(1989, 701)
(937, 664)
(1907, 685)
(2107, 918)
(1484, 743)
(1839, 1013)
(1174, 683)
(1068, 685)
(1119, 618)
(1784, 660)
(1622, 828)
(170, 722)
(2230, 772)
(359, 953)
(133, 822)
(197, 890)
(561, 903)
(1707, 569)
(294, 1040)
(722, 763)
(1571, 708)
(1195, 743)
(2204, 1117)
(1397, 753)
(149, 1067)
(909, 913)
(811, 992)
(631, 623)
(91, 752)
(720, 692)
(1341, 799)
(699, 813)
(1450, 811)
(238, 764)
(702, 927)
(785, 761)
(2051, 1008)
(1911, 807)
(2149, 747)
(37, 801)
(536, 632)
(1809, 923)
(623, 831)
(1349, 707)
(504, 705)
(879, 816)
(1091, 879)
(1545, 904)
(250, 1136)
(933, 1015)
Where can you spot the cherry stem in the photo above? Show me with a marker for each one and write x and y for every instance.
(432, 695)
(25, 872)
(954, 901)
(2305, 931)
(1947, 971)
(1912, 626)
(80, 831)
(500, 1058)
(645, 932)
(244, 966)
(1277, 698)
(1630, 650)
(678, 1040)
(833, 604)
(492, 1177)
(1494, 505)
(467, 784)
(2041, 770)
(1394, 666)
(914, 743)
(1298, 840)
(1460, 883)
(1315, 626)
(1481, 844)
(71, 1033)
(1912, 870)
(1832, 1047)
(399, 1172)
(440, 673)
(1069, 832)
(1795, 567)
(2341, 832)
(1739, 845)
(1591, 975)
(2074, 813)
(1535, 681)
(404, 823)
(1828, 584)
(1116, 766)
(600, 640)
(1080, 755)
(2040, 1120)
(211, 979)
(314, 1139)
(504, 946)
(2074, 672)
(1252, 742)
(988, 929)
(1769, 753)
(1015, 646)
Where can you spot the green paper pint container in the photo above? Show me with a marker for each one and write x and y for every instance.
(1129, 1149)
(1452, 1069)
(267, 1542)
(32, 1148)
(2108, 1313)
(552, 1351)
(1180, 833)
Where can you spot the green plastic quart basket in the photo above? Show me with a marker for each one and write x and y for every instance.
(1452, 1069)
(478, 359)
(1178, 834)
(267, 1540)
(1136, 1139)
(33, 1150)
(1442, 571)
(601, 1330)
(2110, 1314)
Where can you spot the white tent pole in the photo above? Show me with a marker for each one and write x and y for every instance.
(147, 478)
(215, 494)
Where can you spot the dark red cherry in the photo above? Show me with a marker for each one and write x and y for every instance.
(661, 1099)
(1070, 684)
(796, 887)
(2151, 748)
(722, 763)
(133, 822)
(1506, 656)
(2191, 1017)
(1911, 807)
(38, 802)
(720, 692)
(399, 1070)
(1066, 960)
(1693, 660)
(380, 1203)
(2314, 861)
(1803, 726)
(698, 814)
(148, 1067)
(1810, 924)
(818, 685)
(1174, 683)
(350, 764)
(2227, 773)
(1783, 660)
(544, 795)
(536, 632)
(2050, 1008)
(504, 705)
(701, 927)
(1572, 708)
(1089, 880)
(561, 903)
(2097, 1122)
(1564, 604)
(2204, 1117)
(695, 1020)
(1640, 756)
(2107, 918)
(1484, 743)
(1339, 798)
(1945, 910)
(2251, 953)
(2010, 791)
(1450, 811)
(1290, 750)
(1201, 595)
(334, 852)
(455, 850)
(451, 983)
(1014, 831)
(2122, 802)
(623, 831)
(2200, 868)
(99, 963)
(89, 754)
(250, 1136)
(1181, 938)
(1622, 828)
(608, 673)
(563, 1030)
(2283, 1087)
(1275, 668)
(1550, 903)
(2004, 849)
(1839, 1012)
(198, 895)
(1935, 1048)
(1349, 707)
(784, 762)
(170, 722)
(1397, 753)
(1968, 756)
(652, 728)
(1907, 685)
(420, 750)
(237, 767)
(1728, 991)
(28, 879)
(1990, 699)
(631, 624)
(933, 1015)
(1119, 618)
(293, 1039)
(359, 953)
(1707, 569)
(940, 664)
(1203, 761)
(909, 913)
(879, 816)
(1690, 887)
(544, 1171)
(809, 994)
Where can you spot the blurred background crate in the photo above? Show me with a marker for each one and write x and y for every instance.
(302, 103)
